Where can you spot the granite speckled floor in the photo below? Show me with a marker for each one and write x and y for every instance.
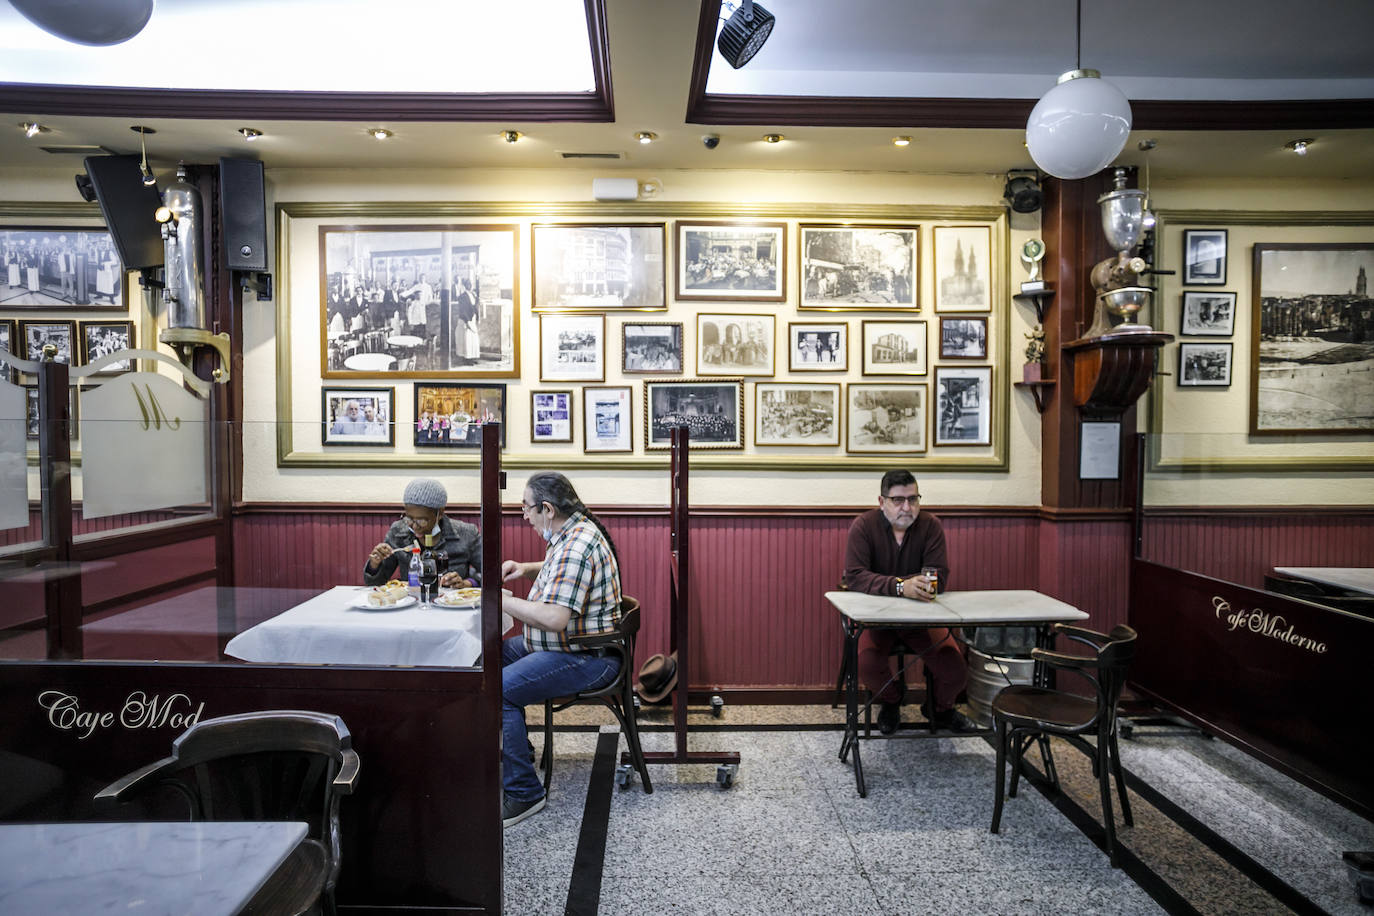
(792, 836)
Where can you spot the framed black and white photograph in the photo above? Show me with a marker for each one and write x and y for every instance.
(358, 416)
(1311, 327)
(551, 416)
(8, 340)
(963, 404)
(963, 269)
(712, 411)
(963, 338)
(651, 348)
(31, 411)
(596, 267)
(35, 335)
(419, 301)
(60, 268)
(1204, 257)
(744, 262)
(885, 419)
(101, 338)
(893, 347)
(1204, 365)
(451, 415)
(1208, 314)
(796, 414)
(814, 346)
(572, 348)
(735, 344)
(869, 268)
(607, 419)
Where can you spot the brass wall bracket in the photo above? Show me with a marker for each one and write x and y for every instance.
(185, 340)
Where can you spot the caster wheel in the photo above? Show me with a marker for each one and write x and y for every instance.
(717, 705)
(725, 775)
(624, 775)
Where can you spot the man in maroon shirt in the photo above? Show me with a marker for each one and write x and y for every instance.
(887, 549)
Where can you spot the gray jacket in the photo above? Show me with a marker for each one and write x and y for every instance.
(462, 541)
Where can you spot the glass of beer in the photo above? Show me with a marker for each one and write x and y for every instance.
(932, 573)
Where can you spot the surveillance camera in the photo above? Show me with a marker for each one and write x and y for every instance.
(710, 141)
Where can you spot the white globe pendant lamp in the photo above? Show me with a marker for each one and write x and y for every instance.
(1080, 125)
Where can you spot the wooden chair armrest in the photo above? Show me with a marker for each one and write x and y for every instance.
(597, 640)
(1092, 637)
(347, 777)
(132, 783)
(1063, 659)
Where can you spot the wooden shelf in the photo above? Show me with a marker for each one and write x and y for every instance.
(1037, 299)
(1040, 390)
(1110, 372)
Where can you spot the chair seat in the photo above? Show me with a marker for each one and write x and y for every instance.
(1048, 707)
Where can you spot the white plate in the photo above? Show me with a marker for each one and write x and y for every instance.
(468, 605)
(361, 604)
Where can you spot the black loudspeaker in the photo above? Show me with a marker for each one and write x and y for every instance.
(243, 214)
(129, 207)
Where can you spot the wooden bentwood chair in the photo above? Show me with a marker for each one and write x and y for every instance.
(275, 765)
(1024, 714)
(618, 695)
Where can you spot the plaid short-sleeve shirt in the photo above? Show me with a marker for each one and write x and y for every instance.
(580, 573)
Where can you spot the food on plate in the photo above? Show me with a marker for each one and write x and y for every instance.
(460, 597)
(387, 594)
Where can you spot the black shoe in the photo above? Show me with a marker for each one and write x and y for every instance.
(889, 717)
(514, 811)
(952, 720)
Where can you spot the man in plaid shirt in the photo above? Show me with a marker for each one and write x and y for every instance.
(576, 591)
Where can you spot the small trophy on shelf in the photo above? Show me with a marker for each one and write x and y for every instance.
(1032, 253)
(1034, 370)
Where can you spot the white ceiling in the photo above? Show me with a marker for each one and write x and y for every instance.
(883, 45)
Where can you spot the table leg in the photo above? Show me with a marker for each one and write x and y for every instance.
(850, 744)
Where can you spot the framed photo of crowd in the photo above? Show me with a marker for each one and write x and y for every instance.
(60, 267)
(651, 348)
(712, 411)
(743, 262)
(451, 415)
(419, 301)
(101, 338)
(358, 416)
(35, 335)
(599, 266)
(7, 343)
(869, 268)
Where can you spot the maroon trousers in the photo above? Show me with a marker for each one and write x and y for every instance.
(938, 650)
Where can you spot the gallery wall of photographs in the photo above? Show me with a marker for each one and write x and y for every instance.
(781, 336)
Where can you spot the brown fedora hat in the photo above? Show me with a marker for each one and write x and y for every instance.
(657, 678)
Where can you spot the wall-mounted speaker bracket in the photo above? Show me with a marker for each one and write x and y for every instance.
(260, 283)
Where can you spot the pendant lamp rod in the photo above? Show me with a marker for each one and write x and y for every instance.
(1078, 34)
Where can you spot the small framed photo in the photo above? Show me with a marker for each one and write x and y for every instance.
(551, 417)
(735, 344)
(358, 416)
(7, 343)
(963, 277)
(712, 411)
(894, 347)
(1204, 257)
(869, 268)
(885, 419)
(1208, 314)
(743, 262)
(599, 266)
(101, 338)
(451, 415)
(964, 405)
(653, 348)
(35, 335)
(31, 411)
(572, 348)
(963, 338)
(607, 419)
(817, 347)
(796, 414)
(1204, 365)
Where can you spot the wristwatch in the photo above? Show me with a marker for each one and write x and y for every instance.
(899, 587)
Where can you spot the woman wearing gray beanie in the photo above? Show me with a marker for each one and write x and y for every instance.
(425, 499)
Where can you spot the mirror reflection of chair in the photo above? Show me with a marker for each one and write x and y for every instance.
(274, 765)
(1023, 714)
(618, 695)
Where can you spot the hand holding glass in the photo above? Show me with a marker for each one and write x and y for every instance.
(932, 575)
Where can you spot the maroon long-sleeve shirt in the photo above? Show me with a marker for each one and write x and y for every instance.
(873, 559)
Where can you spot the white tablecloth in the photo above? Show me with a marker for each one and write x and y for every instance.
(327, 630)
(1351, 578)
(970, 609)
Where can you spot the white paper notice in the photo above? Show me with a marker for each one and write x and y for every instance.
(1099, 456)
(143, 445)
(14, 464)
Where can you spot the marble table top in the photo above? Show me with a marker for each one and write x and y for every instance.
(1354, 578)
(967, 608)
(145, 869)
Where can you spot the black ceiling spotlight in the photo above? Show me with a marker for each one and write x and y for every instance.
(1022, 192)
(744, 33)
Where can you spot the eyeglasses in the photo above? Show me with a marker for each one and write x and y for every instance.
(419, 519)
(912, 501)
(526, 507)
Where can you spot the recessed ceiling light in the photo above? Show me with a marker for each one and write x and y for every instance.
(511, 136)
(773, 138)
(33, 128)
(646, 136)
(901, 141)
(1300, 145)
(250, 133)
(380, 133)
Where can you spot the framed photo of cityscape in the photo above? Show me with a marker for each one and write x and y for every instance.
(868, 268)
(796, 414)
(607, 419)
(885, 419)
(1311, 326)
(963, 277)
(712, 411)
(894, 347)
(599, 266)
(743, 262)
(963, 338)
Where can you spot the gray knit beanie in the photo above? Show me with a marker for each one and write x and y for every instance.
(427, 492)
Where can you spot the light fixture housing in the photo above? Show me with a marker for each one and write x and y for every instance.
(380, 133)
(646, 136)
(744, 33)
(1022, 191)
(1079, 126)
(149, 180)
(33, 129)
(901, 141)
(773, 138)
(511, 136)
(1299, 146)
(250, 133)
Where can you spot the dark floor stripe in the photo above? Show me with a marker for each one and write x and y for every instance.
(1279, 889)
(584, 892)
(699, 729)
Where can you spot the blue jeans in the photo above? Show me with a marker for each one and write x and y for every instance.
(533, 677)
